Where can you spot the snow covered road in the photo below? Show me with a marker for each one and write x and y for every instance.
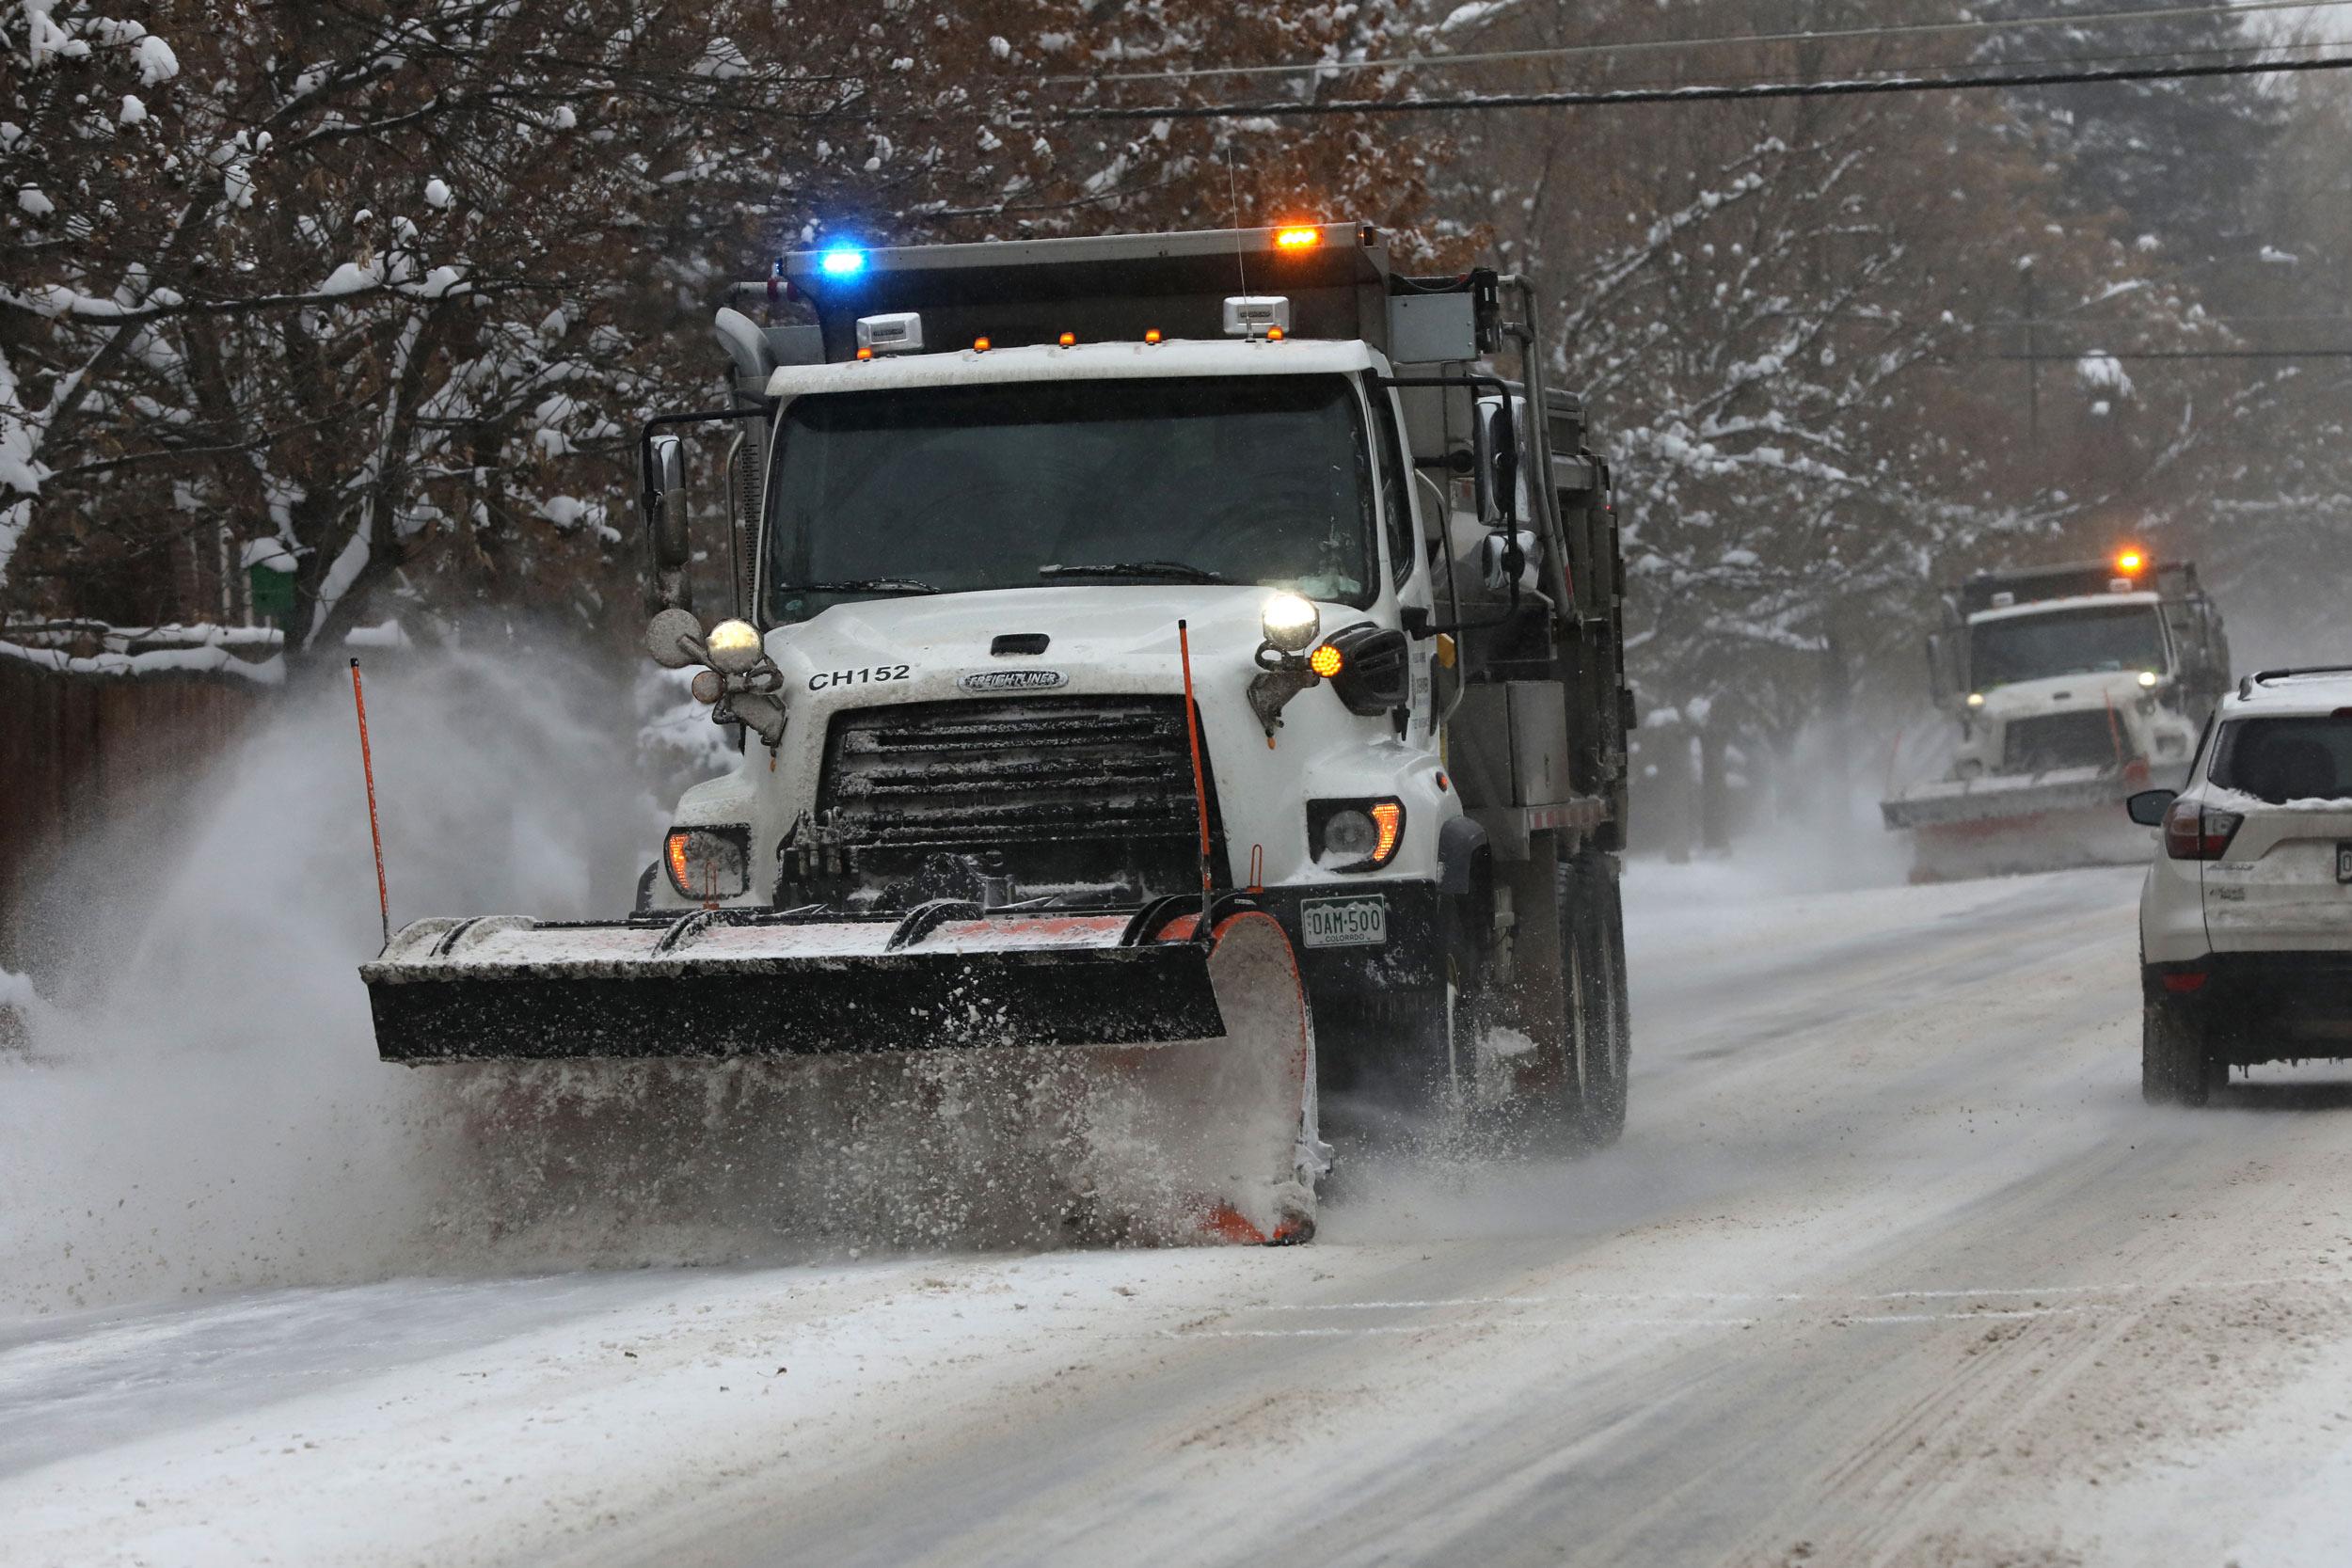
(1893, 1266)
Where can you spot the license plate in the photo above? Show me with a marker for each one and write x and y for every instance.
(1345, 922)
(2344, 862)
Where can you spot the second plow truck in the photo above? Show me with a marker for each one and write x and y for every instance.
(2071, 687)
(1173, 655)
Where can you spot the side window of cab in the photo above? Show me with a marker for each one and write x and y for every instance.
(1395, 485)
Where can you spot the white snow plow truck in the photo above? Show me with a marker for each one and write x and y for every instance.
(2073, 686)
(1180, 653)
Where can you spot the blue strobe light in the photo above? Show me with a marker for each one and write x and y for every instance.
(842, 261)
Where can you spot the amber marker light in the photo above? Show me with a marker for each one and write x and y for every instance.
(980, 345)
(678, 840)
(1327, 661)
(1273, 334)
(1297, 239)
(2130, 562)
(865, 354)
(1068, 340)
(1152, 336)
(1389, 818)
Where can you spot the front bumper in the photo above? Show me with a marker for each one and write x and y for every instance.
(2264, 1007)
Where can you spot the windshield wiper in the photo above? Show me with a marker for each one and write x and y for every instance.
(1175, 571)
(861, 585)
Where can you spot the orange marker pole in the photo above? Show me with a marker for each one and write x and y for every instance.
(375, 834)
(1200, 779)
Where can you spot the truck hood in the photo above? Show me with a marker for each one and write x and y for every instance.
(1092, 624)
(2117, 689)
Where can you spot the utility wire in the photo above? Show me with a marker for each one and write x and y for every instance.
(2046, 62)
(1644, 46)
(1865, 88)
(2171, 354)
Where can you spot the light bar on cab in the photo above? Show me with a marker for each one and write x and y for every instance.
(1297, 239)
(2130, 562)
(842, 261)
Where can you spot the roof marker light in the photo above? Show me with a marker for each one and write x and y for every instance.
(1273, 334)
(866, 353)
(1152, 336)
(842, 261)
(980, 345)
(1068, 340)
(1297, 239)
(2130, 562)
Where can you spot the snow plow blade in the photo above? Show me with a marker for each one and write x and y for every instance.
(1995, 797)
(725, 985)
(1191, 1063)
(1996, 827)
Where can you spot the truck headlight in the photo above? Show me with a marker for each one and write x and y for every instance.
(1975, 699)
(708, 863)
(734, 646)
(1355, 835)
(1289, 622)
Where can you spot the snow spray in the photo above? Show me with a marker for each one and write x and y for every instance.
(199, 1105)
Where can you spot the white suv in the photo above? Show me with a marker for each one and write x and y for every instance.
(2246, 919)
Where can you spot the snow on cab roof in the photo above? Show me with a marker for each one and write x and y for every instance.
(2322, 690)
(2078, 601)
(1050, 362)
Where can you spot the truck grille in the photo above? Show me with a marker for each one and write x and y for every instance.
(1049, 790)
(2063, 740)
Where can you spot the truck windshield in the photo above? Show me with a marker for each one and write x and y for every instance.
(2284, 759)
(2065, 643)
(1254, 480)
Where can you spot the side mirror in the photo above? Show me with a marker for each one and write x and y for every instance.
(665, 503)
(674, 640)
(2148, 807)
(1501, 559)
(1499, 464)
(1939, 683)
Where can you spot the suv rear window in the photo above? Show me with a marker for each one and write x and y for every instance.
(2286, 759)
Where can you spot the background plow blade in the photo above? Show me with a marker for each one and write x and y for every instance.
(1992, 799)
(2000, 827)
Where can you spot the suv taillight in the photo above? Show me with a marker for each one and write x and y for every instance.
(2195, 832)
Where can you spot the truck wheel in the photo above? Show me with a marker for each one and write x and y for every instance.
(2177, 1063)
(1593, 919)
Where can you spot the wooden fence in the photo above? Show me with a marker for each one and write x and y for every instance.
(79, 754)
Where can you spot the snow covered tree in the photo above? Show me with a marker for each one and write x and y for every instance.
(386, 289)
(2175, 160)
(1797, 323)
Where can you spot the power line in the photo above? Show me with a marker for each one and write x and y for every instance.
(1863, 88)
(1643, 46)
(2173, 354)
(2049, 62)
